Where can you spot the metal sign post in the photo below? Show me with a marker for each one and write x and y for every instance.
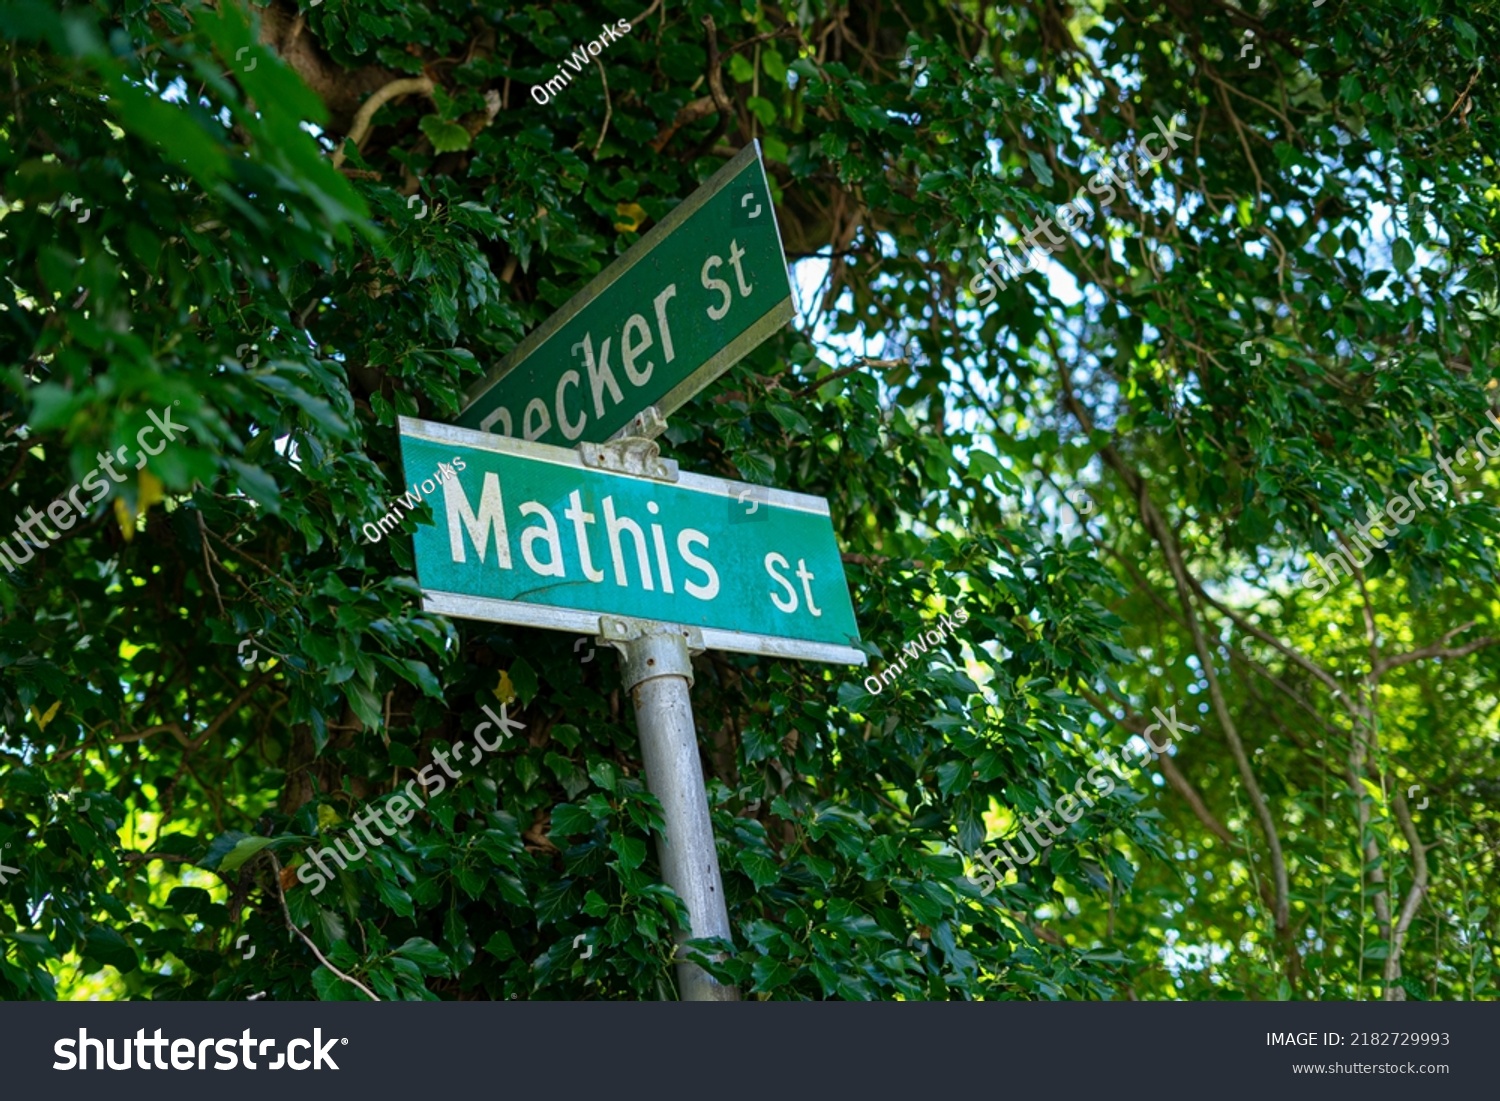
(543, 535)
(658, 673)
(538, 535)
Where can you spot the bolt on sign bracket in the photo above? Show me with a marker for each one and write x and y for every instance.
(652, 649)
(645, 425)
(636, 455)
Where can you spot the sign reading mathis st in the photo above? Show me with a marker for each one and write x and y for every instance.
(528, 534)
(703, 287)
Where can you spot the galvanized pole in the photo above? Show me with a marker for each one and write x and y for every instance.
(658, 673)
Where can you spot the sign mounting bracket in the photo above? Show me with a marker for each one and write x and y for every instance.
(637, 454)
(646, 425)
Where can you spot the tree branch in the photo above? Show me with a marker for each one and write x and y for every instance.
(281, 898)
(1413, 899)
(361, 124)
(1438, 650)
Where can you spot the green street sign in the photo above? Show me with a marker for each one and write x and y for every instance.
(527, 533)
(707, 284)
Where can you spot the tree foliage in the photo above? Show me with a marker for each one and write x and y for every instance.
(290, 224)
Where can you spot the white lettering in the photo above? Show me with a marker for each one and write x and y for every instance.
(736, 254)
(630, 349)
(716, 312)
(491, 516)
(581, 520)
(570, 431)
(806, 577)
(501, 414)
(660, 542)
(790, 604)
(539, 428)
(600, 376)
(685, 539)
(613, 526)
(661, 320)
(547, 532)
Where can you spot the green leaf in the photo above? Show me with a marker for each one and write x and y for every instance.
(181, 138)
(524, 680)
(394, 897)
(446, 137)
(982, 464)
(500, 945)
(243, 851)
(221, 847)
(365, 701)
(762, 870)
(867, 118)
(1041, 168)
(604, 774)
(791, 419)
(188, 900)
(953, 776)
(631, 850)
(1401, 255)
(422, 677)
(763, 109)
(52, 406)
(257, 484)
(740, 70)
(107, 946)
(570, 821)
(427, 956)
(770, 974)
(330, 988)
(557, 901)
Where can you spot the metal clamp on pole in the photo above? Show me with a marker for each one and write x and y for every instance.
(633, 450)
(658, 672)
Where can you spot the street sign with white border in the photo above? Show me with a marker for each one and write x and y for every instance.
(527, 533)
(702, 288)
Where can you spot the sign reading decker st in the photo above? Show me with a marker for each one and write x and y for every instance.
(703, 287)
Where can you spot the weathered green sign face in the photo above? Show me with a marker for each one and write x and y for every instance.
(703, 287)
(526, 533)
